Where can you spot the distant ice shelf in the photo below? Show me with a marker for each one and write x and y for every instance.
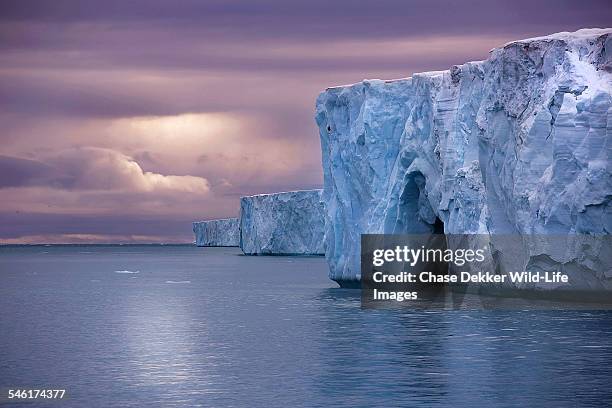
(289, 223)
(224, 233)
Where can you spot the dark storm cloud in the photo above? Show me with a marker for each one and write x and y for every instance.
(318, 18)
(17, 172)
(23, 224)
(48, 46)
(23, 94)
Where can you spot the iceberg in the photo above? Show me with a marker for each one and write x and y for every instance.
(516, 144)
(224, 232)
(290, 223)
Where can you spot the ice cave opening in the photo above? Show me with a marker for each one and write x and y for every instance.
(415, 215)
(438, 227)
(414, 212)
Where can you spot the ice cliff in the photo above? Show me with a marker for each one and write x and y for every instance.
(224, 232)
(288, 223)
(518, 143)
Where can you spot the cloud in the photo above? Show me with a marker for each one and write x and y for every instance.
(92, 168)
(225, 148)
(236, 152)
(16, 171)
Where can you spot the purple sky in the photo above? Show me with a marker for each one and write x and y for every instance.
(123, 121)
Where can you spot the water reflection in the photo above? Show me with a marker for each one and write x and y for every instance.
(463, 358)
(271, 331)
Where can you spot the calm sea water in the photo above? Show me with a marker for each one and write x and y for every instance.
(137, 326)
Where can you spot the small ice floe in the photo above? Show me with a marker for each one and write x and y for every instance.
(128, 272)
(170, 281)
(95, 280)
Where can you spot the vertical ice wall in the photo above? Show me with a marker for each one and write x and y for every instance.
(223, 232)
(290, 223)
(518, 143)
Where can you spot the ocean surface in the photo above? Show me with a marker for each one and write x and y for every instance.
(169, 326)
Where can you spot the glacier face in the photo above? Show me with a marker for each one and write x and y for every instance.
(290, 223)
(518, 143)
(223, 232)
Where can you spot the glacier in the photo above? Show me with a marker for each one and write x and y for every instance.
(516, 144)
(222, 232)
(289, 223)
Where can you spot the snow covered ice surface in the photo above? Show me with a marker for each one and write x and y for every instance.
(223, 232)
(289, 223)
(516, 144)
